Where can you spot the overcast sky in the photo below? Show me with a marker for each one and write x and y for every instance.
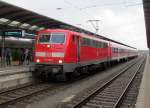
(121, 20)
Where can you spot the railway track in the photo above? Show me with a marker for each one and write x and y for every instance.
(14, 95)
(111, 93)
(130, 97)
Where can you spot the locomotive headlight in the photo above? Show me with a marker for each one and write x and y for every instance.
(60, 61)
(37, 60)
(48, 46)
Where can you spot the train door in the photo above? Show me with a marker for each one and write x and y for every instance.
(109, 51)
(78, 48)
(97, 50)
(118, 55)
(76, 40)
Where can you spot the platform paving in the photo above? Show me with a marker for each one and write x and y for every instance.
(143, 100)
(14, 69)
(14, 75)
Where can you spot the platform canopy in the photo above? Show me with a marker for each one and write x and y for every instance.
(25, 19)
(146, 5)
(16, 17)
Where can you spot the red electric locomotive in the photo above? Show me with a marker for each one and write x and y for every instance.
(62, 53)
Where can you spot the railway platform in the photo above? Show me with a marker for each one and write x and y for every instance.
(143, 100)
(14, 76)
(14, 69)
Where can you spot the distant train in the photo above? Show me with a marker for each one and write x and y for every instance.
(63, 53)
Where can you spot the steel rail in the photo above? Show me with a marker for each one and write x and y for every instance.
(15, 88)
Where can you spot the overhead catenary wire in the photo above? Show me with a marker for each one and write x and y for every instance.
(84, 10)
(111, 4)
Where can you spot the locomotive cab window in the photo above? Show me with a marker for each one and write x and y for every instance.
(44, 38)
(57, 38)
(52, 38)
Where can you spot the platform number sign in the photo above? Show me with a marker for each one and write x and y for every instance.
(14, 33)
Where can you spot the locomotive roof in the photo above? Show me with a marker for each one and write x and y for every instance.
(110, 40)
(88, 34)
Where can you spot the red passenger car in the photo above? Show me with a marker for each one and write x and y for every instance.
(62, 53)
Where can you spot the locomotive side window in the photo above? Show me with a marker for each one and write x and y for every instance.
(86, 42)
(99, 44)
(57, 38)
(94, 43)
(44, 38)
(102, 45)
